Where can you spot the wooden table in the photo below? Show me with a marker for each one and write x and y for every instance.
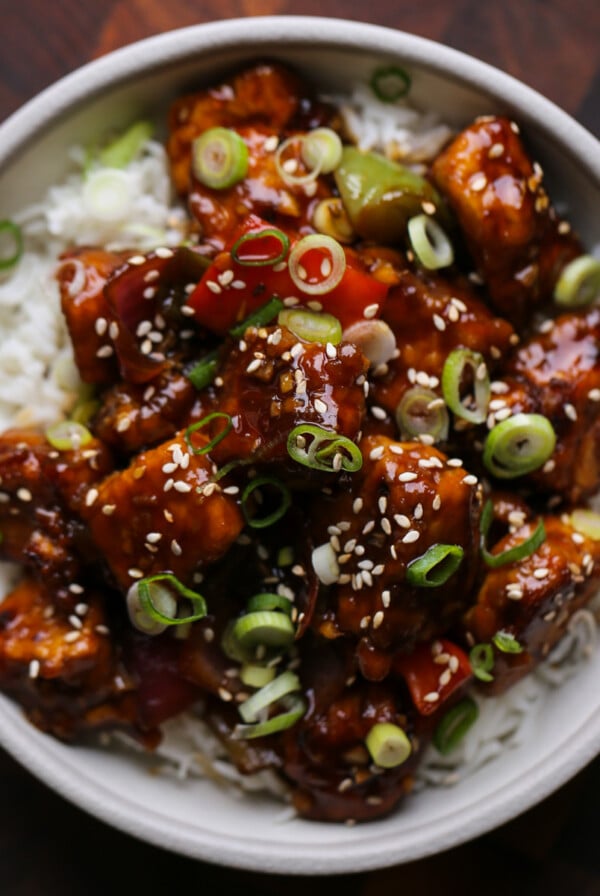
(48, 847)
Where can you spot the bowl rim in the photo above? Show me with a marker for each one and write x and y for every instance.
(39, 753)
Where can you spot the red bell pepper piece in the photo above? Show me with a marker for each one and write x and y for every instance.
(220, 305)
(424, 667)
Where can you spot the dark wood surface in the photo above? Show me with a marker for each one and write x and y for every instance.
(50, 848)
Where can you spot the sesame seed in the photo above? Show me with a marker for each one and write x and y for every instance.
(91, 497)
(453, 314)
(495, 151)
(366, 577)
(357, 505)
(378, 570)
(570, 411)
(136, 260)
(109, 509)
(71, 636)
(23, 494)
(368, 527)
(366, 564)
(176, 548)
(135, 573)
(385, 598)
(439, 323)
(541, 573)
(320, 406)
(81, 609)
(431, 697)
(105, 351)
(377, 619)
(445, 678)
(377, 453)
(331, 351)
(75, 621)
(594, 395)
(34, 668)
(382, 504)
(437, 502)
(378, 413)
(370, 311)
(365, 621)
(402, 520)
(478, 182)
(113, 330)
(182, 487)
(411, 537)
(101, 326)
(253, 365)
(386, 525)
(428, 207)
(470, 480)
(163, 252)
(577, 538)
(407, 477)
(396, 449)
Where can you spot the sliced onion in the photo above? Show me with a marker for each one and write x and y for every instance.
(422, 412)
(430, 243)
(332, 255)
(322, 149)
(325, 564)
(107, 195)
(162, 599)
(374, 338)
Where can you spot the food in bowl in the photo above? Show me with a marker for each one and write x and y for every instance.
(330, 464)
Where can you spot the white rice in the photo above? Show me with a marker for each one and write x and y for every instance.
(39, 383)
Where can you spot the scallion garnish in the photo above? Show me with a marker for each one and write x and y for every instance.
(256, 676)
(195, 427)
(460, 362)
(506, 642)
(284, 684)
(311, 326)
(125, 148)
(327, 451)
(316, 264)
(579, 282)
(259, 318)
(152, 606)
(219, 158)
(269, 602)
(429, 242)
(322, 149)
(454, 725)
(587, 522)
(514, 554)
(481, 658)
(388, 745)
(390, 83)
(260, 482)
(11, 244)
(203, 373)
(261, 628)
(68, 435)
(435, 566)
(288, 157)
(518, 445)
(258, 248)
(294, 707)
(422, 412)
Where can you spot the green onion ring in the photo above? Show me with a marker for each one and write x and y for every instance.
(255, 676)
(388, 745)
(506, 642)
(333, 264)
(203, 373)
(322, 148)
(416, 416)
(390, 83)
(316, 456)
(287, 176)
(295, 707)
(267, 628)
(219, 158)
(311, 326)
(197, 601)
(284, 684)
(430, 243)
(435, 566)
(195, 427)
(286, 500)
(579, 282)
(15, 235)
(454, 368)
(518, 445)
(254, 236)
(481, 658)
(126, 146)
(587, 522)
(269, 602)
(454, 725)
(260, 317)
(514, 554)
(68, 435)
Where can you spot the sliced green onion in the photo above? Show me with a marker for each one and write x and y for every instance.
(311, 326)
(514, 554)
(219, 158)
(107, 195)
(422, 412)
(284, 684)
(388, 745)
(518, 445)
(506, 642)
(152, 607)
(587, 522)
(295, 707)
(286, 499)
(435, 566)
(324, 458)
(204, 371)
(11, 244)
(68, 435)
(325, 564)
(84, 411)
(256, 249)
(390, 83)
(330, 269)
(331, 218)
(259, 318)
(322, 149)
(269, 602)
(430, 243)
(579, 282)
(195, 427)
(262, 628)
(125, 148)
(374, 338)
(255, 676)
(481, 658)
(287, 167)
(454, 725)
(456, 364)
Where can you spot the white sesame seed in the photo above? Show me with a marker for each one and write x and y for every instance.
(407, 477)
(136, 260)
(377, 619)
(357, 505)
(503, 414)
(437, 502)
(431, 697)
(418, 512)
(163, 252)
(402, 520)
(370, 311)
(495, 151)
(382, 504)
(396, 449)
(594, 395)
(253, 365)
(135, 573)
(23, 494)
(386, 525)
(105, 351)
(439, 323)
(109, 509)
(71, 636)
(385, 598)
(453, 664)
(378, 570)
(75, 621)
(470, 480)
(411, 537)
(541, 573)
(91, 496)
(377, 453)
(570, 411)
(478, 182)
(176, 548)
(331, 351)
(453, 314)
(445, 678)
(549, 466)
(34, 668)
(101, 326)
(368, 527)
(81, 609)
(320, 406)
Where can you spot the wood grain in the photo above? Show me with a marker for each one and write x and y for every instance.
(50, 848)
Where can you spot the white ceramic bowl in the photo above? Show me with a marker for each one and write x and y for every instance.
(193, 817)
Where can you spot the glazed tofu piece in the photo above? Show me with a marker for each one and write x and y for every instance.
(161, 514)
(407, 498)
(133, 417)
(534, 598)
(82, 276)
(517, 242)
(271, 382)
(556, 373)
